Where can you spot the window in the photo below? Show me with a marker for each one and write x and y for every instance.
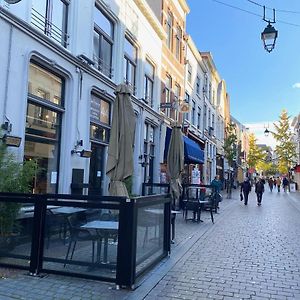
(209, 118)
(199, 117)
(193, 112)
(213, 123)
(187, 100)
(169, 30)
(168, 87)
(130, 61)
(149, 152)
(205, 85)
(43, 125)
(149, 82)
(100, 119)
(198, 85)
(189, 75)
(177, 93)
(209, 92)
(205, 117)
(103, 42)
(51, 18)
(178, 43)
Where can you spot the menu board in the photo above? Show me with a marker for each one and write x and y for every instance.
(100, 110)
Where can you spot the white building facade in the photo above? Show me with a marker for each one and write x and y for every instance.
(60, 64)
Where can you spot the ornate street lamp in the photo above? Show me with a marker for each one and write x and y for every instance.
(267, 132)
(270, 34)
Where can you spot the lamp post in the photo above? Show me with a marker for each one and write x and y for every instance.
(270, 34)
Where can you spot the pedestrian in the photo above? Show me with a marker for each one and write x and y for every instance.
(216, 189)
(285, 184)
(278, 183)
(245, 189)
(271, 183)
(259, 190)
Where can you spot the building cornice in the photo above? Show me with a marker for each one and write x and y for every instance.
(184, 6)
(149, 15)
(196, 52)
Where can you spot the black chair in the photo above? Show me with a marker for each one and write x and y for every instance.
(78, 234)
(207, 202)
(192, 203)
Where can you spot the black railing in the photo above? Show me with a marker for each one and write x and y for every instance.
(114, 239)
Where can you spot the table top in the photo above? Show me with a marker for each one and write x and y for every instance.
(101, 225)
(67, 210)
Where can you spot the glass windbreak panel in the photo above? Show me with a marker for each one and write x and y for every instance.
(16, 224)
(81, 240)
(42, 122)
(150, 235)
(44, 84)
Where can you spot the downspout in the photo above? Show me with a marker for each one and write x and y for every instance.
(5, 118)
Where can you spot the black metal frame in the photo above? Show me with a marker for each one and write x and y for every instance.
(127, 233)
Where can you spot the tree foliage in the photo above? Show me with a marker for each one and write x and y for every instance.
(14, 177)
(256, 156)
(285, 148)
(230, 143)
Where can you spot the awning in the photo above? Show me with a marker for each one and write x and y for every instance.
(193, 154)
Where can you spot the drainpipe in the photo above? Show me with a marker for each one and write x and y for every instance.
(5, 118)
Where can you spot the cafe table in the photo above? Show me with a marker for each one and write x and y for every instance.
(104, 229)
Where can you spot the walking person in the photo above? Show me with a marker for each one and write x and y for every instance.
(245, 189)
(285, 184)
(278, 183)
(271, 184)
(259, 190)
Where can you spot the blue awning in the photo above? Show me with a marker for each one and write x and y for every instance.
(193, 154)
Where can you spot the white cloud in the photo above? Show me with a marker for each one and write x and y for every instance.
(296, 85)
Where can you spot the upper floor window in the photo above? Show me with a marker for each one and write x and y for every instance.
(189, 73)
(51, 17)
(178, 42)
(187, 100)
(130, 62)
(213, 122)
(168, 88)
(103, 42)
(193, 112)
(149, 83)
(169, 30)
(205, 117)
(198, 85)
(209, 92)
(205, 84)
(177, 92)
(199, 117)
(209, 118)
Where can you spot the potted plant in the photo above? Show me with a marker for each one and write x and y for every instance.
(15, 177)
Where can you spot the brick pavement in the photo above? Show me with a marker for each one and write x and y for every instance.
(249, 253)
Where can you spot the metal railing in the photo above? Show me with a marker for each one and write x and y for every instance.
(113, 239)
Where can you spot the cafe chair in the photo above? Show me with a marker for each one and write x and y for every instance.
(207, 202)
(192, 203)
(78, 234)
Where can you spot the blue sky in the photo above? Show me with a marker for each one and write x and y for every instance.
(260, 84)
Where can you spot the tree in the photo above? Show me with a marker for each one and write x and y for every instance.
(230, 143)
(285, 148)
(256, 155)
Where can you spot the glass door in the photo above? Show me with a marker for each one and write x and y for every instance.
(96, 169)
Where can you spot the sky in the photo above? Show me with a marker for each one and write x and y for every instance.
(260, 84)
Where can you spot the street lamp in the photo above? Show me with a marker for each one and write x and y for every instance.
(266, 132)
(270, 34)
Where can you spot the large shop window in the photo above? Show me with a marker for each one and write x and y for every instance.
(51, 17)
(103, 42)
(100, 119)
(43, 126)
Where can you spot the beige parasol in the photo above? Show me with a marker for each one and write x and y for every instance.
(120, 148)
(175, 162)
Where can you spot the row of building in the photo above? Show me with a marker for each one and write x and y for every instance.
(61, 61)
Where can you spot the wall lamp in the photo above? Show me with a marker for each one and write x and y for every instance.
(83, 153)
(10, 140)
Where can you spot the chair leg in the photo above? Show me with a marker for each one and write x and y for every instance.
(69, 247)
(73, 249)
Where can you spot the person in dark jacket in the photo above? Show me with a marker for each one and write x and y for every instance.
(246, 189)
(259, 190)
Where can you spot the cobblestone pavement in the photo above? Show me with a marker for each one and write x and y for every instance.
(250, 252)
